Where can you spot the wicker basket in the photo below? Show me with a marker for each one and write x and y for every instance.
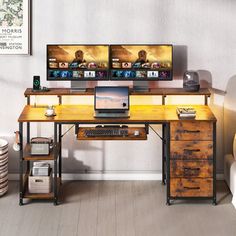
(3, 166)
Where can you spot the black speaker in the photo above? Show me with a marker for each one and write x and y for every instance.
(36, 82)
(191, 81)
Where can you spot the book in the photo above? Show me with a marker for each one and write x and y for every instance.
(41, 164)
(186, 112)
(186, 115)
(40, 169)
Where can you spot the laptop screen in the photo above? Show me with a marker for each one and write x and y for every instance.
(111, 98)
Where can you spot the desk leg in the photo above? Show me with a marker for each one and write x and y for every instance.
(214, 202)
(55, 164)
(21, 184)
(163, 155)
(60, 147)
(28, 141)
(206, 100)
(28, 134)
(147, 128)
(167, 143)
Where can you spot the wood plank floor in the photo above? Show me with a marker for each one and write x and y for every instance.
(120, 208)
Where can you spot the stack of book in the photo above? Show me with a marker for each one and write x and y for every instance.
(186, 112)
(40, 169)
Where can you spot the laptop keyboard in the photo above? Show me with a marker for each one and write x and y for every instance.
(104, 132)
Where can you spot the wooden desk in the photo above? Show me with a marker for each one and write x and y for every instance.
(188, 145)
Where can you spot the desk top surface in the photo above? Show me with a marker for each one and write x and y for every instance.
(138, 114)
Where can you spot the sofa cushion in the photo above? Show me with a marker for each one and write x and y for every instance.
(234, 147)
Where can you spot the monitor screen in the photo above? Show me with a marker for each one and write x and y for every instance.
(111, 98)
(77, 62)
(141, 62)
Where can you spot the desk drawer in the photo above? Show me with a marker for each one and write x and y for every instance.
(189, 150)
(191, 169)
(191, 130)
(191, 187)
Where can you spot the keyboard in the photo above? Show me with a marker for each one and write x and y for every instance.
(104, 132)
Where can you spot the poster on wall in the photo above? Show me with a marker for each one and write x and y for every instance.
(14, 27)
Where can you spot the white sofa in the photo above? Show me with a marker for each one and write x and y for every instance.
(229, 132)
(230, 175)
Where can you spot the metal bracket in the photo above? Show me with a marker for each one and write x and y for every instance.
(147, 129)
(76, 129)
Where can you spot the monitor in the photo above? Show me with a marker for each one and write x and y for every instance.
(111, 98)
(77, 62)
(141, 62)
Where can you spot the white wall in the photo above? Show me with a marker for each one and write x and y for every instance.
(203, 32)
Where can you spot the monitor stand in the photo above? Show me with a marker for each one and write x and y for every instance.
(140, 86)
(78, 86)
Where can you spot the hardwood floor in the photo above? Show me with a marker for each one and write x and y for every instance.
(120, 208)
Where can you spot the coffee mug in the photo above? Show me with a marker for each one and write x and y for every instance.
(50, 111)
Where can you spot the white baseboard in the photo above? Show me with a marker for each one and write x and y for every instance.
(112, 176)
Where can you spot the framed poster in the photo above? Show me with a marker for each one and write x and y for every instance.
(14, 26)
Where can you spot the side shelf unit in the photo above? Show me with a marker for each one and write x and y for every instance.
(26, 160)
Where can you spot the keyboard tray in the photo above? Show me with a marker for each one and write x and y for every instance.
(142, 134)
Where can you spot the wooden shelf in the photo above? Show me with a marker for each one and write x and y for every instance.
(58, 92)
(38, 195)
(142, 134)
(172, 91)
(29, 157)
(90, 91)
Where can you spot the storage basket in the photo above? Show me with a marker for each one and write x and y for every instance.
(40, 184)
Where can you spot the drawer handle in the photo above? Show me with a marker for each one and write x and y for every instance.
(191, 150)
(191, 131)
(191, 169)
(192, 188)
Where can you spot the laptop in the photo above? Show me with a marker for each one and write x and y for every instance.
(111, 102)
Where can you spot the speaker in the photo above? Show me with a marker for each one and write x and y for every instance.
(191, 81)
(36, 82)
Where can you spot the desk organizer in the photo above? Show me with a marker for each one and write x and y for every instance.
(3, 166)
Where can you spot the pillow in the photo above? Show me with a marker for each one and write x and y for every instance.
(234, 147)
